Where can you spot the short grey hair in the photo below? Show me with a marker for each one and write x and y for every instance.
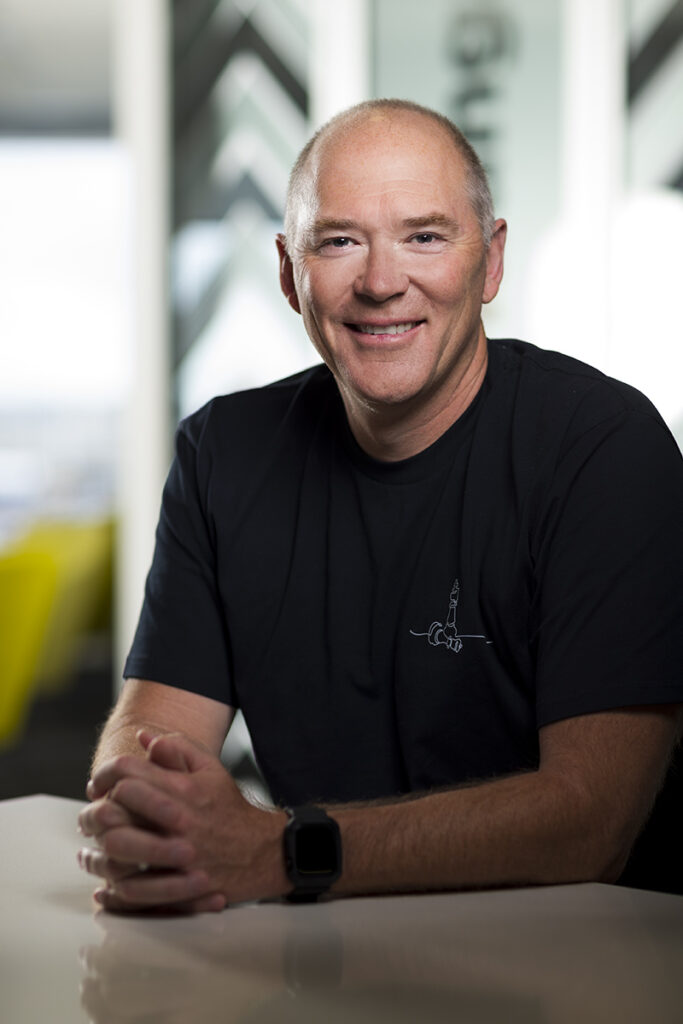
(477, 184)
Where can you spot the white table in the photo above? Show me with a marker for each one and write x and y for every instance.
(567, 954)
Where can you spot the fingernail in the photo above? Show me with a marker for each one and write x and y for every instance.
(99, 895)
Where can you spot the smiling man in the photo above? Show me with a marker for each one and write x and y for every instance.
(440, 575)
(389, 266)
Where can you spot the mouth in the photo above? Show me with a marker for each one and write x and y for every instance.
(395, 328)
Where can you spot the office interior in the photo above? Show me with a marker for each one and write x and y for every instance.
(144, 154)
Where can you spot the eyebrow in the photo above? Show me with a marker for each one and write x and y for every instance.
(435, 219)
(332, 224)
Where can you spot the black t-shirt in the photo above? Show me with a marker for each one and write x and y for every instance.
(392, 627)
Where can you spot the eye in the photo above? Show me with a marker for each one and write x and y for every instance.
(425, 237)
(341, 242)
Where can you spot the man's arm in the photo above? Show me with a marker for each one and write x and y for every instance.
(575, 819)
(161, 709)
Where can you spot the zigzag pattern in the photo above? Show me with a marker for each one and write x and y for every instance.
(240, 105)
(655, 100)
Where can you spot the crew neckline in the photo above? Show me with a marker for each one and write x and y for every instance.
(425, 463)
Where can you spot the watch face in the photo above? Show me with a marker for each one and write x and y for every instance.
(315, 850)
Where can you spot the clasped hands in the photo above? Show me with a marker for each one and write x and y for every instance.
(174, 831)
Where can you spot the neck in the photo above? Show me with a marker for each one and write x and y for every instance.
(394, 432)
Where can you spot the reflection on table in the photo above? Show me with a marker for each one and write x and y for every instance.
(559, 954)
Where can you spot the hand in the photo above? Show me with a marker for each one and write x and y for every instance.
(180, 815)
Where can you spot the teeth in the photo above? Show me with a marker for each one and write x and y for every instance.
(388, 328)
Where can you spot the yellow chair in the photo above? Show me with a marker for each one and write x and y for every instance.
(28, 584)
(55, 586)
(83, 554)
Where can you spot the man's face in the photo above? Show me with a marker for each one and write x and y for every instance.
(389, 269)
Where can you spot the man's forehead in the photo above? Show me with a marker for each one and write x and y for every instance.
(379, 154)
(374, 130)
(384, 155)
(386, 168)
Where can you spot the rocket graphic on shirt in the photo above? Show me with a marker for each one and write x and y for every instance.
(446, 633)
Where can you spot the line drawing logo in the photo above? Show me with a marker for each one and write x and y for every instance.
(446, 633)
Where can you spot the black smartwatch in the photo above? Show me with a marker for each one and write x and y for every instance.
(313, 858)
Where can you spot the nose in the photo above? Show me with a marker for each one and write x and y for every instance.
(381, 276)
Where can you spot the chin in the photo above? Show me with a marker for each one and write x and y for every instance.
(381, 396)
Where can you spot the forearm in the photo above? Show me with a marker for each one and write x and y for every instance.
(160, 709)
(119, 736)
(523, 830)
(575, 819)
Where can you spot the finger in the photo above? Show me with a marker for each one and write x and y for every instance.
(121, 767)
(173, 755)
(95, 862)
(145, 737)
(213, 903)
(140, 846)
(102, 815)
(155, 889)
(167, 752)
(157, 807)
(179, 752)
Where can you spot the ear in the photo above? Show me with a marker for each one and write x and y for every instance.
(494, 261)
(287, 274)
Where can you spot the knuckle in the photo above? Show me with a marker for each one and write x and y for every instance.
(95, 823)
(99, 813)
(120, 767)
(125, 798)
(122, 763)
(112, 843)
(112, 815)
(182, 784)
(120, 790)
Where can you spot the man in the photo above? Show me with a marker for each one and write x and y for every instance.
(440, 576)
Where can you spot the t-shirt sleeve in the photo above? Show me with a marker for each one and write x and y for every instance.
(181, 638)
(608, 610)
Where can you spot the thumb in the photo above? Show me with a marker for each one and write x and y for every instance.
(145, 737)
(177, 752)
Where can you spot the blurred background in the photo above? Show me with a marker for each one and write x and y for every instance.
(144, 153)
